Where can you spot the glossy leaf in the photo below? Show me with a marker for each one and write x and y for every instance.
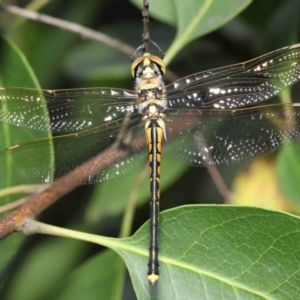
(196, 18)
(212, 252)
(14, 71)
(193, 18)
(43, 52)
(221, 253)
(165, 11)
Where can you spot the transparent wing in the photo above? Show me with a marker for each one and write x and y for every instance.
(201, 127)
(238, 85)
(72, 150)
(63, 111)
(88, 122)
(223, 137)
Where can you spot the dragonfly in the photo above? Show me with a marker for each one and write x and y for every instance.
(208, 118)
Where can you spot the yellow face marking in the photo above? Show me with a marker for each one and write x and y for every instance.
(146, 61)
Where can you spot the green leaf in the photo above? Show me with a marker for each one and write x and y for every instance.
(15, 71)
(223, 252)
(48, 46)
(288, 172)
(212, 252)
(196, 18)
(164, 11)
(193, 18)
(85, 63)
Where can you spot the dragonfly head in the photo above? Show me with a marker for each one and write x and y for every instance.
(147, 61)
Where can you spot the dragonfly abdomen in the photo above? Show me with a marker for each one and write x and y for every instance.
(154, 133)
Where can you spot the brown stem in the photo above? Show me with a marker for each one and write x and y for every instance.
(60, 187)
(70, 26)
(146, 34)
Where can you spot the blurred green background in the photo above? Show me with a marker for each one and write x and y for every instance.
(61, 59)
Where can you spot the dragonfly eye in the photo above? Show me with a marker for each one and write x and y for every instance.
(146, 59)
(135, 65)
(159, 63)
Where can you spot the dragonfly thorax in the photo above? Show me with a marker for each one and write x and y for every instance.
(148, 71)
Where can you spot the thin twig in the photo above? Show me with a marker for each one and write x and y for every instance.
(23, 189)
(70, 26)
(81, 30)
(212, 170)
(219, 182)
(9, 206)
(20, 189)
(67, 183)
(60, 187)
(146, 33)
